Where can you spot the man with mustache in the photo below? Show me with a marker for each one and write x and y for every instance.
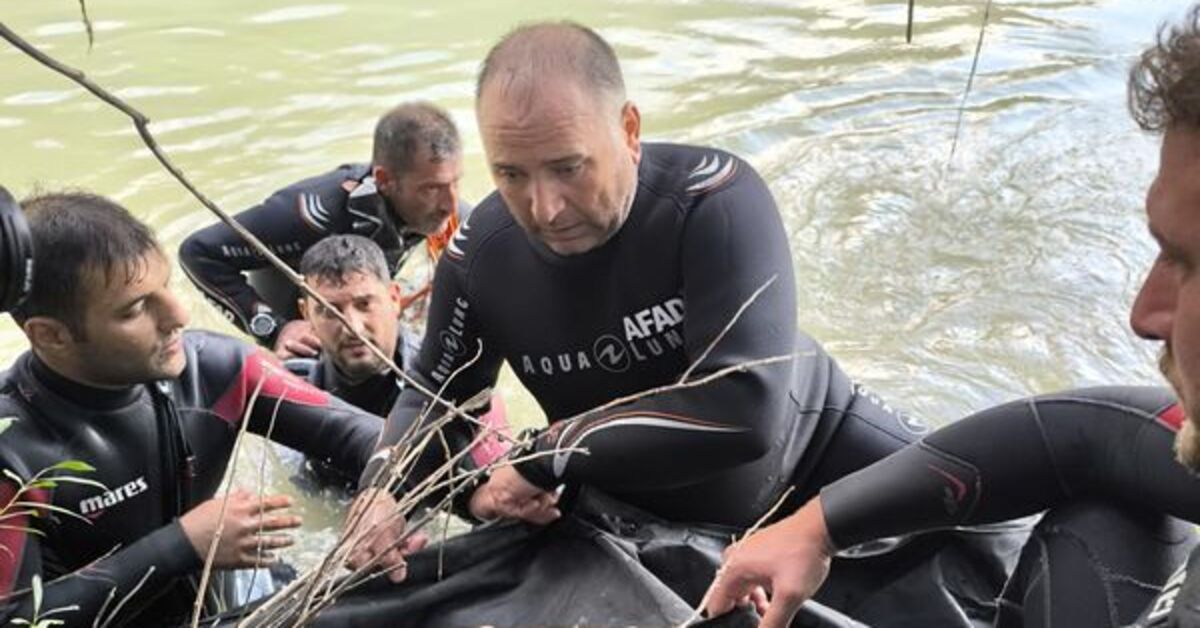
(604, 266)
(406, 196)
(149, 411)
(351, 273)
(1097, 564)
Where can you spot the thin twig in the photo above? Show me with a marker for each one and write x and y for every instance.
(962, 107)
(732, 321)
(908, 31)
(198, 606)
(87, 24)
(699, 611)
(141, 124)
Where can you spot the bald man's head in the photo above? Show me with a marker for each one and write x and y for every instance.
(529, 56)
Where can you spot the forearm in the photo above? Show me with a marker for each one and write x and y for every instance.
(135, 574)
(1019, 459)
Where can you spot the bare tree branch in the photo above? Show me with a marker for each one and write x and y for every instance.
(962, 107)
(87, 24)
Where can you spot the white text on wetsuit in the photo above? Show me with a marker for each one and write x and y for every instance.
(648, 333)
(113, 497)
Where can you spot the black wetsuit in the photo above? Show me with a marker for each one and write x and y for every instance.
(342, 201)
(160, 449)
(375, 394)
(702, 236)
(1101, 459)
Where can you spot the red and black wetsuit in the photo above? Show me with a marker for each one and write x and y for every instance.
(160, 449)
(1101, 459)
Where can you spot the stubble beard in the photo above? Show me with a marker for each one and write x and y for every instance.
(1187, 440)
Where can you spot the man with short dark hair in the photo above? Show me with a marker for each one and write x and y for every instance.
(351, 273)
(1103, 552)
(604, 266)
(113, 381)
(406, 196)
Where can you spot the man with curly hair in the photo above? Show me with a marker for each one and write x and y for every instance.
(1100, 556)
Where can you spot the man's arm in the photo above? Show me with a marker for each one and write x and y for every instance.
(157, 558)
(288, 409)
(733, 243)
(289, 221)
(1006, 462)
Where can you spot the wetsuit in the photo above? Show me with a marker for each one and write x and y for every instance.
(159, 449)
(1100, 458)
(342, 201)
(702, 236)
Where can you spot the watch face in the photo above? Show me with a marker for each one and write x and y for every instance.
(262, 324)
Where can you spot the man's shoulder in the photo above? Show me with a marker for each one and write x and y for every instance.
(205, 350)
(488, 220)
(691, 173)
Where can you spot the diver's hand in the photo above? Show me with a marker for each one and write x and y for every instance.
(297, 340)
(249, 533)
(382, 534)
(790, 559)
(508, 495)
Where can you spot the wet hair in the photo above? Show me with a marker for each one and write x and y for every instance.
(77, 238)
(402, 132)
(1164, 84)
(530, 53)
(335, 258)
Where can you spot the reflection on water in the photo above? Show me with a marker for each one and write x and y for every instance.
(943, 286)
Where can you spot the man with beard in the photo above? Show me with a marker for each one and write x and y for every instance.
(604, 266)
(120, 426)
(406, 196)
(1097, 564)
(351, 273)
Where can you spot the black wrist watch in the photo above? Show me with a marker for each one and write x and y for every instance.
(263, 325)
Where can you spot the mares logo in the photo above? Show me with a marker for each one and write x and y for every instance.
(1165, 602)
(648, 334)
(96, 505)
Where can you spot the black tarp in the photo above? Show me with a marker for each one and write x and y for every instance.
(607, 564)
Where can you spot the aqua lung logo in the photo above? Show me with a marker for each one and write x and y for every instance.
(611, 354)
(94, 506)
(648, 334)
(452, 342)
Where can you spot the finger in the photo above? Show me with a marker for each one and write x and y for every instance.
(724, 592)
(758, 598)
(280, 522)
(311, 342)
(542, 515)
(250, 560)
(299, 348)
(414, 543)
(394, 564)
(780, 611)
(267, 542)
(273, 502)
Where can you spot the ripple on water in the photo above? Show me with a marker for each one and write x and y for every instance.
(297, 13)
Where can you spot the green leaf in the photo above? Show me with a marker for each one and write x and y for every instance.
(74, 465)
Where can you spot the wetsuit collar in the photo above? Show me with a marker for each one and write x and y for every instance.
(78, 393)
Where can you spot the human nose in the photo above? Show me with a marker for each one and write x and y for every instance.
(546, 202)
(174, 314)
(1153, 310)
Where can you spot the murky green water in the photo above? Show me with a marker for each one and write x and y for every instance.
(944, 286)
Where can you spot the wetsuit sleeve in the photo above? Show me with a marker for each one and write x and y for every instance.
(288, 409)
(453, 361)
(147, 566)
(733, 244)
(1018, 459)
(289, 222)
